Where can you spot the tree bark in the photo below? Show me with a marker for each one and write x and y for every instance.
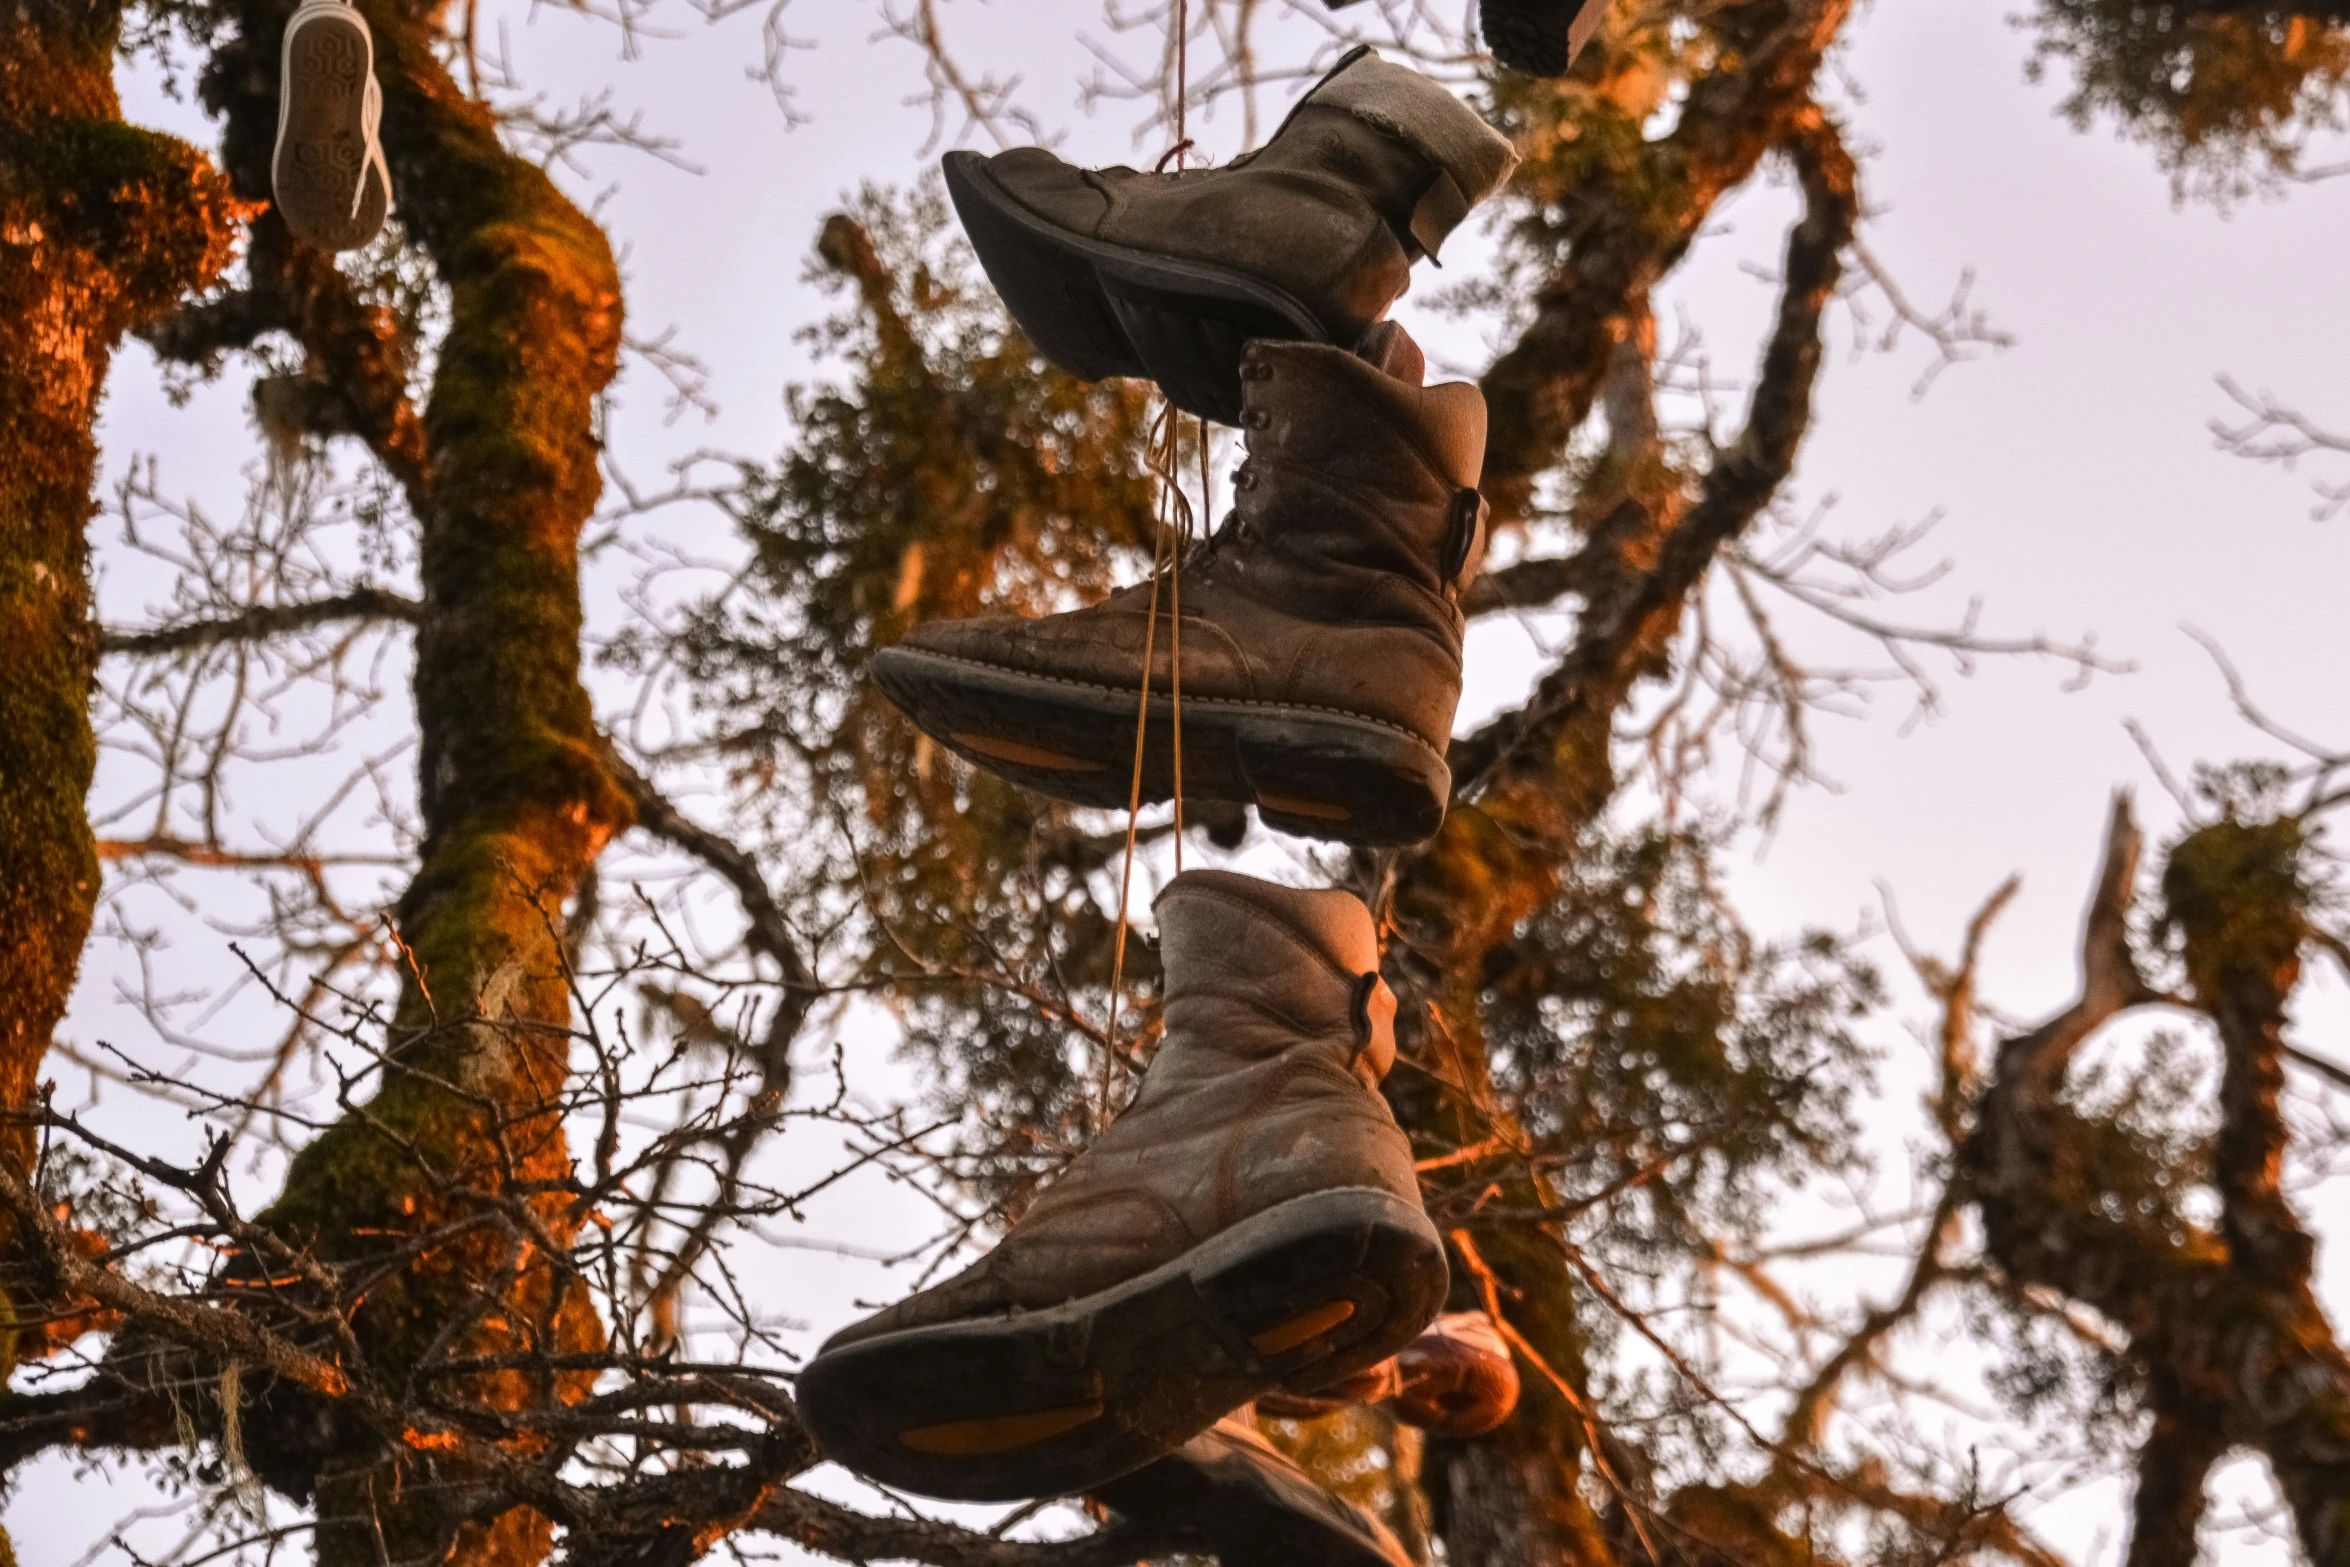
(1528, 785)
(1634, 224)
(2223, 1325)
(500, 470)
(102, 226)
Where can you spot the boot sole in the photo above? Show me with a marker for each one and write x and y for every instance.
(1538, 37)
(318, 166)
(1044, 1403)
(1311, 772)
(1098, 309)
(1248, 1513)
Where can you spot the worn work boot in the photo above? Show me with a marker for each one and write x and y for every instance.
(1455, 1380)
(1233, 1494)
(1118, 272)
(328, 171)
(1320, 629)
(1252, 1219)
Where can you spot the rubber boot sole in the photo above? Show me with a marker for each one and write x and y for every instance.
(1098, 309)
(1050, 1402)
(1247, 1510)
(1312, 772)
(1539, 37)
(320, 162)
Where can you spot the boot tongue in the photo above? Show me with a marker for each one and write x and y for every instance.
(1386, 346)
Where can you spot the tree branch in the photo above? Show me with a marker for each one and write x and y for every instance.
(262, 620)
(2224, 1328)
(1541, 390)
(1620, 634)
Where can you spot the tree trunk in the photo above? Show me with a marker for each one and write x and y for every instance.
(516, 799)
(101, 226)
(2223, 1324)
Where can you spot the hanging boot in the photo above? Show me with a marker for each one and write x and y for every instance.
(1320, 629)
(1231, 1493)
(1539, 37)
(328, 172)
(1455, 1380)
(1251, 1220)
(1117, 272)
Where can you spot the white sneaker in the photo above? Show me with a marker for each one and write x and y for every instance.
(329, 173)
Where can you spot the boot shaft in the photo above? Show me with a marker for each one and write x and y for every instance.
(1354, 470)
(1372, 169)
(1414, 152)
(1256, 970)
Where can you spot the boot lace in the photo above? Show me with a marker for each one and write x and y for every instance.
(371, 114)
(371, 109)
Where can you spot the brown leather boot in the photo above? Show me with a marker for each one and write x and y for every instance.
(1117, 272)
(1251, 1219)
(1233, 1494)
(1321, 635)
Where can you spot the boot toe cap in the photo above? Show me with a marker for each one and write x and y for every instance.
(1101, 646)
(1050, 188)
(977, 1291)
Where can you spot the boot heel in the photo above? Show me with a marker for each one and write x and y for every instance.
(1190, 341)
(1344, 779)
(1336, 1282)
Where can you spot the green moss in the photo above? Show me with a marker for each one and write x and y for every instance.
(2228, 102)
(516, 803)
(2236, 893)
(104, 225)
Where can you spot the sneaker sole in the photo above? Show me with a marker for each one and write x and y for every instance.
(1310, 772)
(322, 146)
(1098, 309)
(1045, 1403)
(1248, 1512)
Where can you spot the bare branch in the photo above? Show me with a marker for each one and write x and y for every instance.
(262, 620)
(2271, 432)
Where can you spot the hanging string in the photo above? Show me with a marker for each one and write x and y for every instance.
(1175, 626)
(1170, 539)
(1172, 484)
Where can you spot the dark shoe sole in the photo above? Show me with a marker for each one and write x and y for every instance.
(1539, 37)
(1045, 1403)
(1248, 1511)
(1312, 772)
(320, 160)
(1098, 309)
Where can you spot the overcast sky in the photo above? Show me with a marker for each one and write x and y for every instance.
(2079, 489)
